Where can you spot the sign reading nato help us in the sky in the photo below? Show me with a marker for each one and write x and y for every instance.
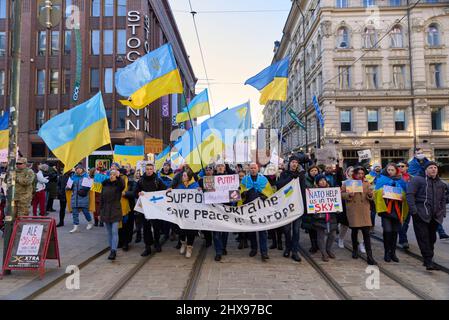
(323, 200)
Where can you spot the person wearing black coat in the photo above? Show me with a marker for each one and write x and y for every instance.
(426, 197)
(150, 182)
(126, 232)
(111, 208)
(295, 171)
(62, 183)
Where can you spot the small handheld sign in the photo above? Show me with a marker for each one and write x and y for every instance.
(33, 241)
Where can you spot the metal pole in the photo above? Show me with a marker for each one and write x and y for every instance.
(304, 70)
(10, 214)
(412, 87)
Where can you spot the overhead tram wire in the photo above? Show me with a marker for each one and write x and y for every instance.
(201, 52)
(234, 11)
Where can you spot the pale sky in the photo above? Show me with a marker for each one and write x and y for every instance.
(236, 46)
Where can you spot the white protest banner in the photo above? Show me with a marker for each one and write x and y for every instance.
(364, 155)
(323, 200)
(187, 209)
(4, 155)
(30, 240)
(326, 156)
(223, 187)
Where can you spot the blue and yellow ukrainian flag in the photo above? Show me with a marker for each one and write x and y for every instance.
(129, 155)
(161, 158)
(4, 131)
(149, 78)
(272, 82)
(204, 142)
(198, 107)
(76, 133)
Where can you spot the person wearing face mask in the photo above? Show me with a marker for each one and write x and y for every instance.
(392, 212)
(426, 196)
(417, 164)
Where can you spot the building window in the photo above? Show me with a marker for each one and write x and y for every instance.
(38, 150)
(67, 79)
(344, 76)
(67, 42)
(373, 120)
(96, 8)
(121, 41)
(41, 43)
(55, 43)
(121, 8)
(369, 3)
(108, 80)
(397, 39)
(40, 118)
(342, 4)
(94, 80)
(395, 156)
(52, 113)
(3, 9)
(108, 42)
(442, 158)
(435, 75)
(121, 118)
(40, 82)
(68, 8)
(343, 38)
(372, 77)
(2, 44)
(108, 8)
(399, 119)
(54, 82)
(370, 38)
(437, 119)
(433, 36)
(2, 82)
(395, 3)
(350, 158)
(345, 120)
(95, 42)
(109, 117)
(399, 76)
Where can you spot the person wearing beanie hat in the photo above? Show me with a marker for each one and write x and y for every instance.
(306, 223)
(325, 224)
(392, 212)
(80, 198)
(426, 197)
(291, 230)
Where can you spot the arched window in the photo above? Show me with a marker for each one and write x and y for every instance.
(369, 37)
(397, 39)
(343, 38)
(433, 35)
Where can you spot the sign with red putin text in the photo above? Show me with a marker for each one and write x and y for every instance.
(221, 189)
(188, 210)
(323, 200)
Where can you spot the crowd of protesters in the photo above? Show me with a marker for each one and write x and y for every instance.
(424, 198)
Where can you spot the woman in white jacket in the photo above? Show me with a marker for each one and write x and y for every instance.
(39, 198)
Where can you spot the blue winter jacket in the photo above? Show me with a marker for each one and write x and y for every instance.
(415, 168)
(78, 201)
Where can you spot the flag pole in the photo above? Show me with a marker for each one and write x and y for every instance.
(10, 213)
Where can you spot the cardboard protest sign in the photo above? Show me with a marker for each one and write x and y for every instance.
(353, 186)
(323, 200)
(87, 182)
(220, 190)
(188, 210)
(326, 156)
(393, 193)
(364, 155)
